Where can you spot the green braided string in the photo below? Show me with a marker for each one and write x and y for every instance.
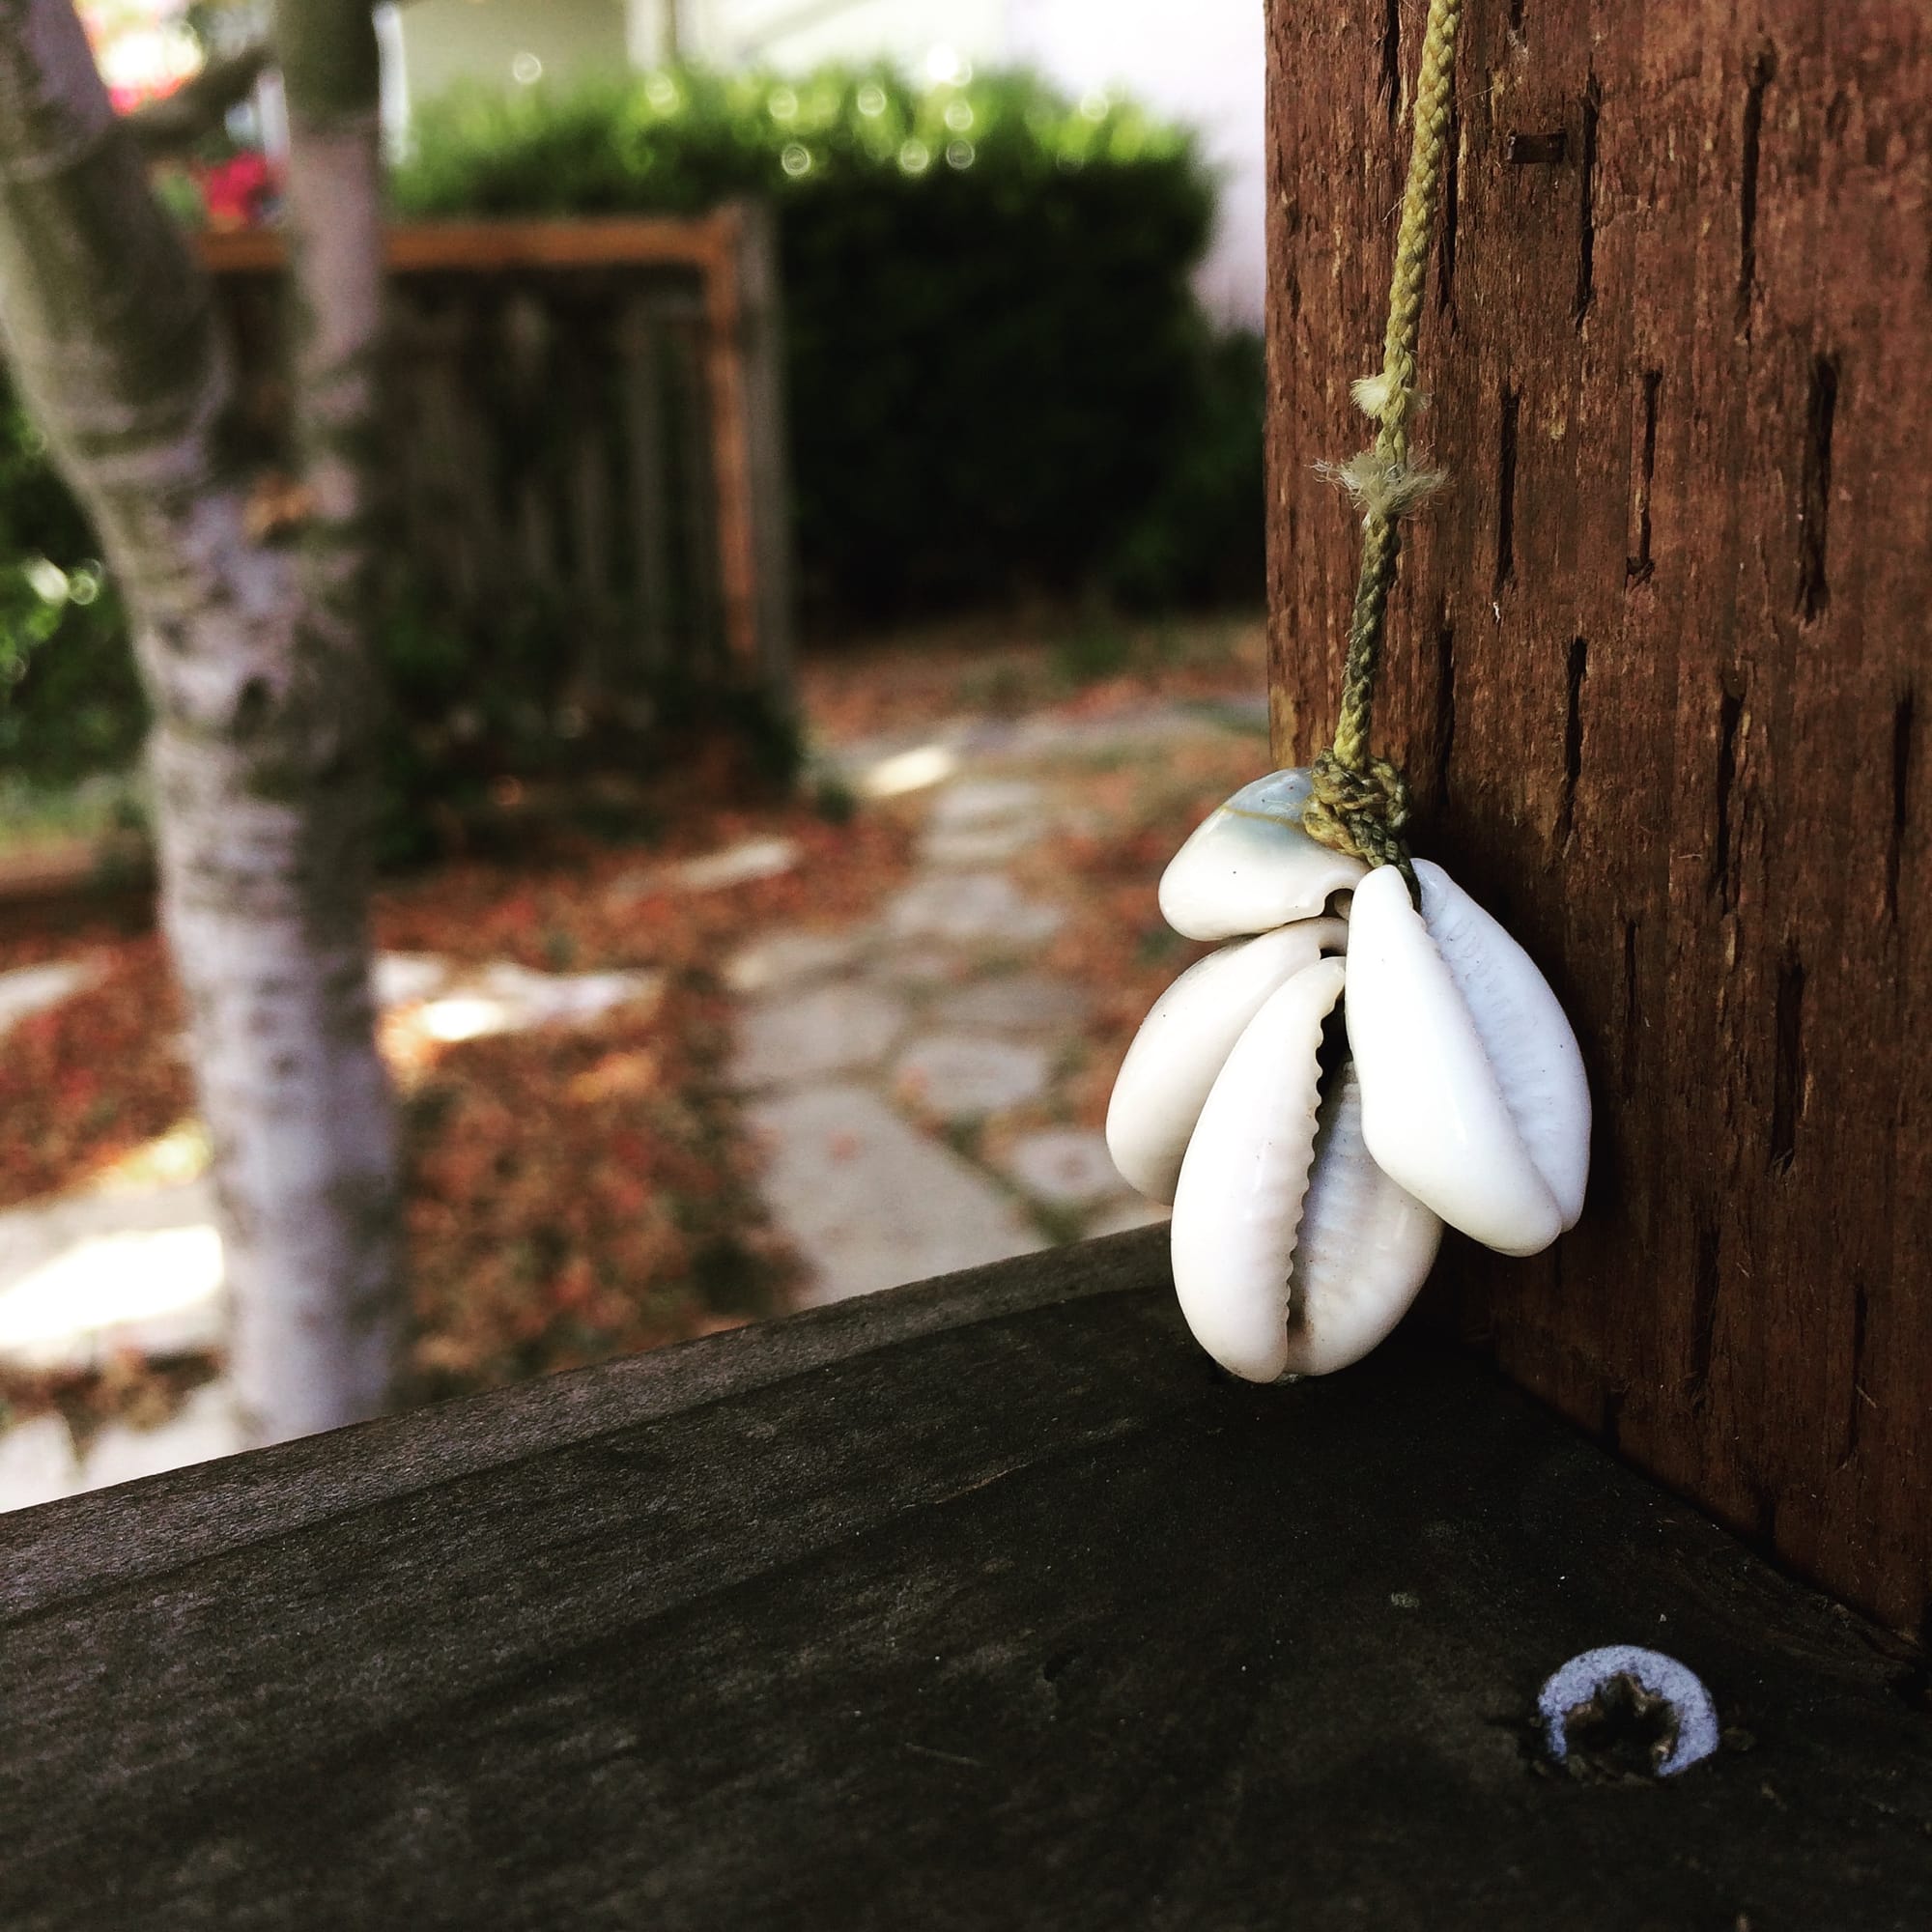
(1361, 802)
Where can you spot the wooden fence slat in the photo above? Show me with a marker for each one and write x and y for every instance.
(767, 492)
(527, 373)
(641, 380)
(584, 390)
(700, 500)
(732, 456)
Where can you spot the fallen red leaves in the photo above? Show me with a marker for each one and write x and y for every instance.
(93, 1078)
(575, 1193)
(579, 1193)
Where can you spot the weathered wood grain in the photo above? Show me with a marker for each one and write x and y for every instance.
(1657, 667)
(986, 1604)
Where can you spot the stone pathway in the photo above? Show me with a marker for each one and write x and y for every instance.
(877, 1054)
(877, 1060)
(133, 1262)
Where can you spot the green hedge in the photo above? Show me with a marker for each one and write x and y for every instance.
(998, 370)
(69, 703)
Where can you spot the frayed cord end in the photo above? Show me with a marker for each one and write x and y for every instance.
(1379, 489)
(1372, 394)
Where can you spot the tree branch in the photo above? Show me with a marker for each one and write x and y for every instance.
(178, 120)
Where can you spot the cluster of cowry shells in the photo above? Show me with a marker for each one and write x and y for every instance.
(1318, 1098)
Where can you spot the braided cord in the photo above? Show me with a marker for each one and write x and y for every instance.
(1361, 802)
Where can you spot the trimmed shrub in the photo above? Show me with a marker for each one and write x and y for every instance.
(998, 373)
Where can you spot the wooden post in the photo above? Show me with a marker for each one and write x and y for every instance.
(742, 352)
(768, 491)
(1654, 670)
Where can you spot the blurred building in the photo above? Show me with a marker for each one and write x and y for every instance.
(1203, 66)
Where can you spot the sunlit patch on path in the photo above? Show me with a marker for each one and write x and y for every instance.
(132, 1265)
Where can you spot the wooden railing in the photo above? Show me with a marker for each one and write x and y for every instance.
(584, 431)
(982, 1603)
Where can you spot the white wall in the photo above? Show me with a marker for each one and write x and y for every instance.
(802, 33)
(1198, 61)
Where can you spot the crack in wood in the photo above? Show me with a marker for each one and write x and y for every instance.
(1756, 83)
(1576, 670)
(1787, 1077)
(1814, 490)
(1586, 235)
(1903, 720)
(1638, 566)
(1452, 193)
(1730, 714)
(1390, 85)
(1633, 1032)
(1548, 149)
(1857, 1399)
(1703, 1313)
(1445, 699)
(1506, 493)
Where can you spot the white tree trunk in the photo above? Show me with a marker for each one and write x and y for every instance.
(255, 660)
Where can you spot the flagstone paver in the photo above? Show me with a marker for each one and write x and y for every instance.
(969, 908)
(1068, 1167)
(964, 1076)
(870, 1202)
(26, 990)
(1018, 1003)
(837, 1028)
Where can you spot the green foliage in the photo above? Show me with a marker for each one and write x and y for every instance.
(1200, 539)
(998, 374)
(999, 381)
(69, 703)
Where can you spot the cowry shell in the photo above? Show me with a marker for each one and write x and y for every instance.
(1248, 867)
(1364, 1247)
(1473, 1094)
(1278, 1273)
(1186, 1040)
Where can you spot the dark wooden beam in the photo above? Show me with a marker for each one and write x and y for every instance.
(988, 1602)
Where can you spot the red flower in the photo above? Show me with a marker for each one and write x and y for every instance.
(237, 191)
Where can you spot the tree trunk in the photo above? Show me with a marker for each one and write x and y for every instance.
(255, 660)
(1653, 670)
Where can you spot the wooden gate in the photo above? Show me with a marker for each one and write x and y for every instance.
(585, 438)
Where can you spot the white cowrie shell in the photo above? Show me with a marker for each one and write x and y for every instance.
(1248, 867)
(1363, 1249)
(1279, 1272)
(1473, 1094)
(1186, 1039)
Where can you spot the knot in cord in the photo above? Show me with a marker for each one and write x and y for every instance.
(1360, 813)
(1360, 803)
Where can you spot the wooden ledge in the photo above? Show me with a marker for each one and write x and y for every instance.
(987, 1602)
(663, 242)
